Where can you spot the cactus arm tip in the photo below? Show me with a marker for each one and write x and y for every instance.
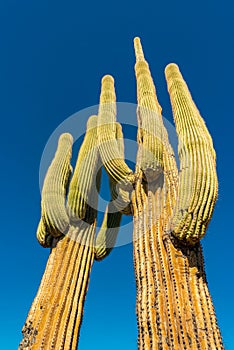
(66, 137)
(107, 78)
(107, 90)
(138, 49)
(171, 67)
(42, 235)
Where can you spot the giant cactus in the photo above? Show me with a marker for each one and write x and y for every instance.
(171, 210)
(55, 316)
(174, 307)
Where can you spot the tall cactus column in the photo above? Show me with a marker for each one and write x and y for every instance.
(55, 316)
(171, 213)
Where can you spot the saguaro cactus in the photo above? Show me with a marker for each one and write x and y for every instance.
(171, 209)
(55, 316)
(174, 307)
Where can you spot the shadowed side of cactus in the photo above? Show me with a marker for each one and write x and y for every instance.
(108, 232)
(118, 205)
(174, 307)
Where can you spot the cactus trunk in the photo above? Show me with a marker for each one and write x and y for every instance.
(174, 307)
(55, 316)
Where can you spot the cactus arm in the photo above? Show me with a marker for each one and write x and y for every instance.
(120, 196)
(108, 147)
(82, 197)
(54, 218)
(111, 148)
(198, 184)
(108, 232)
(44, 238)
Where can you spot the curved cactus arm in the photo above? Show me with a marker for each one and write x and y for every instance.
(198, 184)
(44, 238)
(85, 183)
(120, 196)
(111, 157)
(54, 219)
(108, 232)
(111, 148)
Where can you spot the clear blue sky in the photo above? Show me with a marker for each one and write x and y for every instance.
(52, 57)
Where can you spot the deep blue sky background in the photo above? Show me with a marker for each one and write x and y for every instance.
(52, 57)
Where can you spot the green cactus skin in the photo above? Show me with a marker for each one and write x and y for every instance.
(108, 232)
(82, 200)
(154, 139)
(54, 219)
(108, 146)
(43, 237)
(111, 148)
(174, 306)
(149, 119)
(120, 197)
(198, 184)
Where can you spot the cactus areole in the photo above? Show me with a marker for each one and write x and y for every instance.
(171, 210)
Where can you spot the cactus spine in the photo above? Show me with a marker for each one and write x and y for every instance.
(171, 211)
